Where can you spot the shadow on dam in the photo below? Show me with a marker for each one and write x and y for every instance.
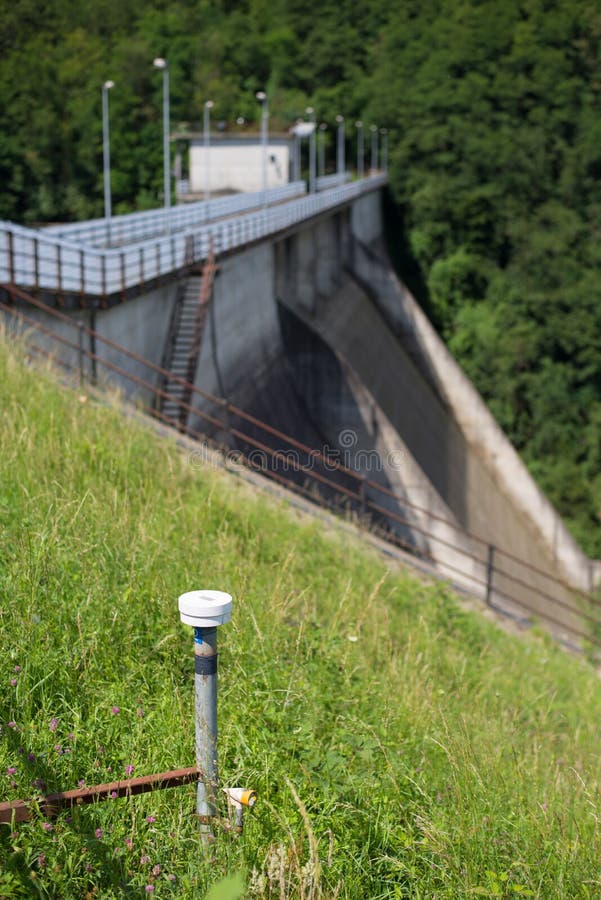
(305, 392)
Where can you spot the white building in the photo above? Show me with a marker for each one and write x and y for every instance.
(235, 162)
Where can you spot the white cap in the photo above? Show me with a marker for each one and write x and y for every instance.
(205, 609)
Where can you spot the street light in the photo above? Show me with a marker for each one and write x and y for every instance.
(160, 63)
(321, 168)
(374, 147)
(340, 145)
(311, 114)
(360, 153)
(384, 133)
(207, 144)
(262, 98)
(106, 156)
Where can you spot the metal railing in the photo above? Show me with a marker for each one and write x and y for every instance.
(40, 261)
(140, 226)
(325, 182)
(507, 583)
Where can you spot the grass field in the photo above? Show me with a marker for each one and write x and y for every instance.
(401, 745)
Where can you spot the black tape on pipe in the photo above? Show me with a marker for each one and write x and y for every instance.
(205, 665)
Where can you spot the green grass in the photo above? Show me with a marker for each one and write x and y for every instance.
(401, 745)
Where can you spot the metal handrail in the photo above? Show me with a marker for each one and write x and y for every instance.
(40, 261)
(139, 226)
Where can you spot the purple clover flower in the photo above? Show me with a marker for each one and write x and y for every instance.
(129, 769)
(53, 724)
(115, 710)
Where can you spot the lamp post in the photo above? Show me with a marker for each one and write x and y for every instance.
(262, 98)
(360, 150)
(340, 145)
(321, 167)
(374, 147)
(106, 156)
(312, 149)
(384, 133)
(206, 128)
(160, 63)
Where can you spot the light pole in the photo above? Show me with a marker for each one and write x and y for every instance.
(321, 168)
(106, 156)
(262, 98)
(374, 147)
(206, 127)
(340, 145)
(384, 133)
(160, 63)
(312, 148)
(360, 150)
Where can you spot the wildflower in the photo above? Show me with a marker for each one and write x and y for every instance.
(151, 819)
(12, 724)
(81, 783)
(47, 826)
(13, 682)
(42, 861)
(144, 860)
(98, 833)
(53, 724)
(115, 710)
(156, 870)
(71, 736)
(129, 769)
(149, 888)
(31, 757)
(113, 795)
(129, 843)
(11, 770)
(17, 668)
(139, 712)
(171, 877)
(58, 749)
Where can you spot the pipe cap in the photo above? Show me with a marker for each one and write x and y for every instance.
(205, 609)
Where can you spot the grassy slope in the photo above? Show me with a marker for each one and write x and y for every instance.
(434, 756)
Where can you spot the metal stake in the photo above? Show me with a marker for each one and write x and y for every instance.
(205, 611)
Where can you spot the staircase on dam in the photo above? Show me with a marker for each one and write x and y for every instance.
(184, 338)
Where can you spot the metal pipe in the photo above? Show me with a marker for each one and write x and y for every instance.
(205, 611)
(374, 148)
(360, 150)
(106, 157)
(340, 145)
(312, 149)
(207, 145)
(160, 63)
(262, 98)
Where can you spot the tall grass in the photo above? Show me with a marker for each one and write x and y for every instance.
(401, 746)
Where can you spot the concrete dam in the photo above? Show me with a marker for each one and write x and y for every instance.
(308, 330)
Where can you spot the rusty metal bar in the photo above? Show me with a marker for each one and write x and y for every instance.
(53, 804)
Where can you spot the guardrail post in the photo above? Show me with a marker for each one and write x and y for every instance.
(205, 611)
(11, 257)
(80, 352)
(93, 360)
(490, 571)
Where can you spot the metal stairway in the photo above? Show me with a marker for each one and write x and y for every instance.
(184, 338)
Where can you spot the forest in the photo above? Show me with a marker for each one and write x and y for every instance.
(493, 112)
